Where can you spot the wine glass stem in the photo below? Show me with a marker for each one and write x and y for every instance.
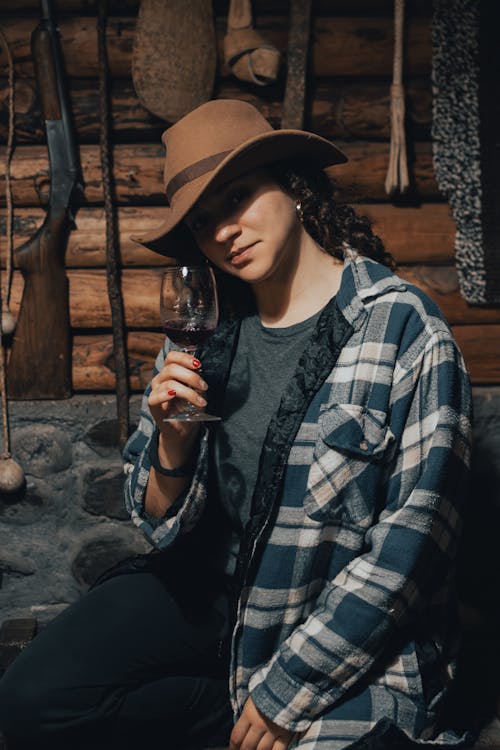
(191, 409)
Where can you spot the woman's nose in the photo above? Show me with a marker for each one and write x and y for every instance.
(226, 229)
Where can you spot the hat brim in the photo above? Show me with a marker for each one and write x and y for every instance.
(266, 148)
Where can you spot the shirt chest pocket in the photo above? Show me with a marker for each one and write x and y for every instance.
(348, 459)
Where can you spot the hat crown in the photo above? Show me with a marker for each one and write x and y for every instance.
(216, 127)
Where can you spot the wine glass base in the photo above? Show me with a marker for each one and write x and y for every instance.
(201, 417)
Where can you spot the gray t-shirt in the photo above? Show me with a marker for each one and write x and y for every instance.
(264, 363)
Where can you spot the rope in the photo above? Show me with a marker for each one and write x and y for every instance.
(5, 295)
(112, 245)
(397, 173)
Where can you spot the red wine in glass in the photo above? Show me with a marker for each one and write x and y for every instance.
(189, 338)
(189, 313)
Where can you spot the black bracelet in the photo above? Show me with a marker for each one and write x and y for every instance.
(182, 471)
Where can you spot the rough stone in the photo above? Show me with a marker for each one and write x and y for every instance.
(103, 550)
(47, 524)
(15, 565)
(104, 493)
(42, 450)
(103, 437)
(29, 507)
(45, 613)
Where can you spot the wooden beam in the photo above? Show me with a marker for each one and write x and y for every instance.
(345, 109)
(259, 7)
(412, 235)
(93, 363)
(138, 173)
(89, 307)
(93, 366)
(481, 350)
(343, 46)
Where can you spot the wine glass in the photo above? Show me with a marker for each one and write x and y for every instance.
(189, 312)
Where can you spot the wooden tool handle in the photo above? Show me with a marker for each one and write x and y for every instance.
(40, 362)
(46, 76)
(298, 47)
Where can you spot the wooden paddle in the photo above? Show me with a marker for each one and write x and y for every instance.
(174, 56)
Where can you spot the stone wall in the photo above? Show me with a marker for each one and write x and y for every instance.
(70, 524)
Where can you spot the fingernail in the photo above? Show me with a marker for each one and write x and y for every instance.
(171, 392)
(202, 401)
(196, 363)
(204, 385)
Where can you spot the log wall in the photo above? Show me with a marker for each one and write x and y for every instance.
(349, 82)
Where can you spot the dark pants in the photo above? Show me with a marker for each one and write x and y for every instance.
(131, 664)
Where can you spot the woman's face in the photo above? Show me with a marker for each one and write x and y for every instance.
(248, 228)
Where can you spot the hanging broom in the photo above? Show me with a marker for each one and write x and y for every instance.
(397, 174)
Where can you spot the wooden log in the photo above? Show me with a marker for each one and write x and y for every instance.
(362, 177)
(89, 307)
(412, 235)
(343, 46)
(259, 7)
(86, 244)
(441, 284)
(93, 362)
(480, 347)
(138, 173)
(93, 366)
(346, 109)
(361, 110)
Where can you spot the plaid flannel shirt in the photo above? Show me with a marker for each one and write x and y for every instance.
(347, 562)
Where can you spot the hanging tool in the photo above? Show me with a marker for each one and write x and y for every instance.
(248, 55)
(298, 48)
(12, 477)
(397, 179)
(174, 56)
(112, 241)
(40, 362)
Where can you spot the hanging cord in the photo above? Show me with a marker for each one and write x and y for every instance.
(397, 173)
(112, 245)
(8, 271)
(8, 322)
(12, 476)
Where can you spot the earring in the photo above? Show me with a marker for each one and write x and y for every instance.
(299, 212)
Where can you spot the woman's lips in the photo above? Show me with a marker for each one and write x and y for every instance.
(241, 255)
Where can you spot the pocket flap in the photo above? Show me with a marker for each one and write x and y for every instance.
(355, 430)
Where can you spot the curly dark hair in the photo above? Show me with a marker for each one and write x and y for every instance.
(331, 223)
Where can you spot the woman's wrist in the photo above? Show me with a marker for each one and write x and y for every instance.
(170, 463)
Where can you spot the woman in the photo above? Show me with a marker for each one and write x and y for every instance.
(306, 544)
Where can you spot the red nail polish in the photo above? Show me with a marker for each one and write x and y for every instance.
(172, 392)
(196, 363)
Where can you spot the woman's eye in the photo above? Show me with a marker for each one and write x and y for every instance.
(198, 223)
(236, 197)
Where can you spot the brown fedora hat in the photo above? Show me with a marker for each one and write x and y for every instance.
(216, 142)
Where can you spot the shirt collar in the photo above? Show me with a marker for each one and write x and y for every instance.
(363, 280)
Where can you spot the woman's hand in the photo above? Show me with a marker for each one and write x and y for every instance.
(177, 382)
(254, 731)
